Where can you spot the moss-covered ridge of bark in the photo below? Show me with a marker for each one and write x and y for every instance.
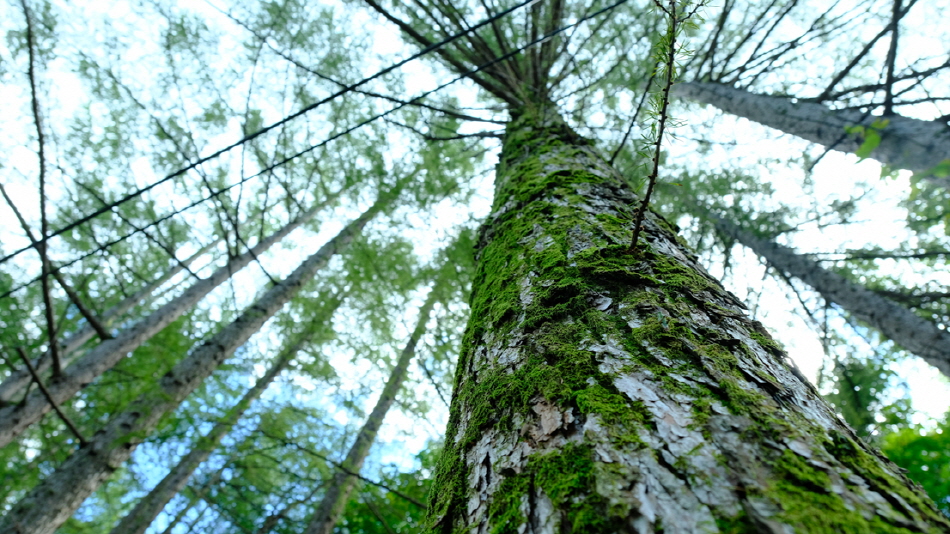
(574, 298)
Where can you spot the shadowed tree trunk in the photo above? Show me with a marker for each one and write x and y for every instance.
(600, 390)
(16, 418)
(17, 382)
(906, 143)
(53, 501)
(338, 492)
(896, 322)
(148, 508)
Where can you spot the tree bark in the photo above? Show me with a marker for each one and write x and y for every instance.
(906, 143)
(16, 418)
(338, 492)
(600, 390)
(16, 383)
(47, 506)
(896, 322)
(148, 508)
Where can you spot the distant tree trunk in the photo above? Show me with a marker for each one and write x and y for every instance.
(16, 418)
(603, 391)
(17, 382)
(896, 322)
(148, 508)
(195, 496)
(906, 143)
(338, 492)
(47, 506)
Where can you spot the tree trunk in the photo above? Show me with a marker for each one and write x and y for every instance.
(906, 143)
(904, 327)
(47, 506)
(16, 418)
(147, 509)
(17, 382)
(196, 495)
(600, 390)
(338, 492)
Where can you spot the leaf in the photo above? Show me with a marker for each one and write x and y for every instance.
(871, 140)
(940, 170)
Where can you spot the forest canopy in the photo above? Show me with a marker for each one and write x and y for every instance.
(293, 266)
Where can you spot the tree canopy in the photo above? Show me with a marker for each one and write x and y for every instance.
(172, 164)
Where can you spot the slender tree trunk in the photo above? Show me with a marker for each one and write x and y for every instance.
(338, 492)
(896, 322)
(16, 418)
(147, 509)
(603, 391)
(906, 143)
(47, 506)
(196, 495)
(17, 382)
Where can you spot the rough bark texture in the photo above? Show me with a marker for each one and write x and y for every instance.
(46, 507)
(599, 391)
(148, 508)
(906, 143)
(17, 382)
(338, 492)
(16, 418)
(906, 328)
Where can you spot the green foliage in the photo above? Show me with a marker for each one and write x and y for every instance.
(870, 136)
(925, 454)
(860, 395)
(132, 95)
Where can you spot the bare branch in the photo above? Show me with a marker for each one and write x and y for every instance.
(46, 393)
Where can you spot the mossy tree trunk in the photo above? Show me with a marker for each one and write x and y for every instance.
(604, 391)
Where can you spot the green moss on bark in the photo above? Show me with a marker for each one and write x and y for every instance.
(546, 302)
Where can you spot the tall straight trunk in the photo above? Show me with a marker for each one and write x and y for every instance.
(896, 322)
(17, 382)
(148, 508)
(338, 492)
(47, 506)
(906, 143)
(16, 418)
(600, 390)
(195, 495)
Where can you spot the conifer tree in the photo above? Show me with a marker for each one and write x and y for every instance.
(605, 381)
(336, 495)
(52, 502)
(605, 385)
(139, 519)
(898, 323)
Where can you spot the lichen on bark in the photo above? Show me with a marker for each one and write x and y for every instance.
(600, 390)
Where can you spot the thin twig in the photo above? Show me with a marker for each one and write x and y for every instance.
(891, 60)
(70, 292)
(44, 224)
(670, 73)
(49, 397)
(340, 467)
